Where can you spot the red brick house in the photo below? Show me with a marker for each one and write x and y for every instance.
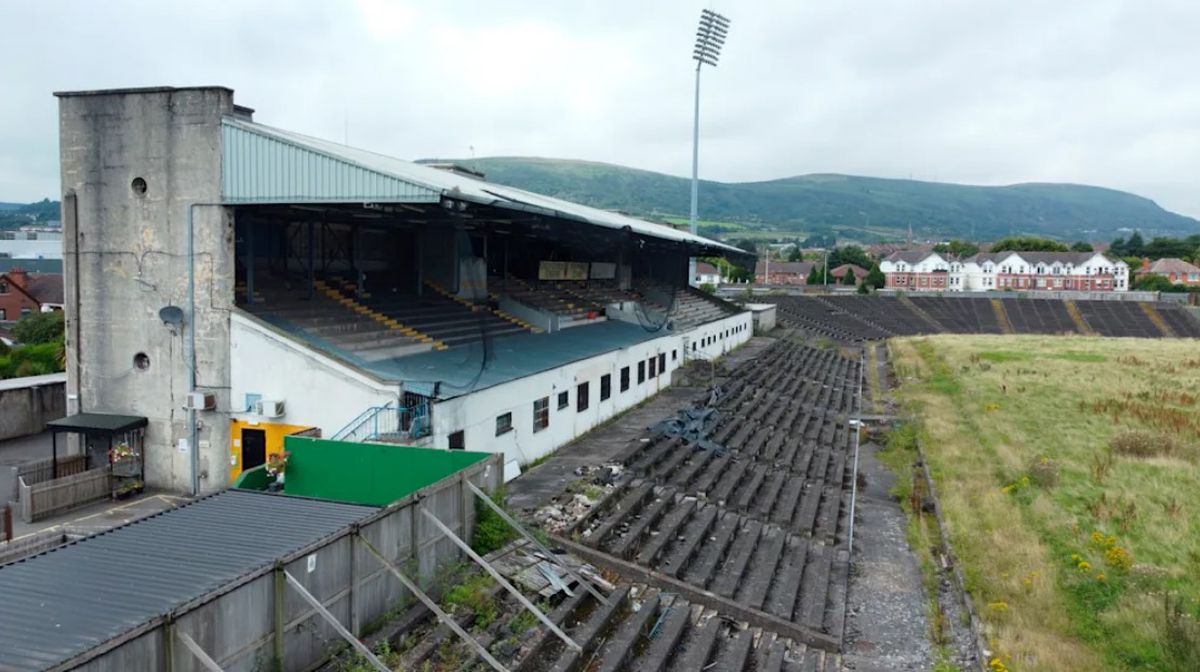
(1177, 271)
(782, 272)
(22, 293)
(840, 272)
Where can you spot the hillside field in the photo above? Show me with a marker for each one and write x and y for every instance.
(1067, 468)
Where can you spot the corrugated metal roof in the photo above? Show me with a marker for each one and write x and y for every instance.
(263, 164)
(64, 602)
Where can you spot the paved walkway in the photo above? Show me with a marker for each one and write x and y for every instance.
(18, 451)
(536, 487)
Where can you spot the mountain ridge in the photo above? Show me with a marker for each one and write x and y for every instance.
(870, 208)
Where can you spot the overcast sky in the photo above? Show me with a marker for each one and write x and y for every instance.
(1094, 91)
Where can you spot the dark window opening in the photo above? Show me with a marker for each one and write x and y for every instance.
(581, 397)
(458, 441)
(564, 400)
(641, 372)
(541, 414)
(605, 386)
(653, 370)
(503, 423)
(624, 378)
(662, 362)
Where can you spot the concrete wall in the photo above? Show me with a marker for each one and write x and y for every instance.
(764, 316)
(126, 257)
(475, 414)
(235, 624)
(317, 390)
(27, 404)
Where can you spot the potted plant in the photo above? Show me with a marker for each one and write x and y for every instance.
(276, 465)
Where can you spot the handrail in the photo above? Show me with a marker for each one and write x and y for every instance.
(388, 419)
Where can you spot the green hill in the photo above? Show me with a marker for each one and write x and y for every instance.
(864, 207)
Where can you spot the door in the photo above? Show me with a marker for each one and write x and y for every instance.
(254, 448)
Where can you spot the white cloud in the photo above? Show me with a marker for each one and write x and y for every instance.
(988, 92)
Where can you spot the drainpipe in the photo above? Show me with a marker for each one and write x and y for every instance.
(193, 428)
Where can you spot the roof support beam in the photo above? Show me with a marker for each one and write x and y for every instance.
(550, 555)
(198, 651)
(502, 581)
(433, 606)
(316, 604)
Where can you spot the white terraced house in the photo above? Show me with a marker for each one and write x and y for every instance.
(1020, 271)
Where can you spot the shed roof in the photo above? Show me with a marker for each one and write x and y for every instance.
(67, 601)
(97, 423)
(263, 164)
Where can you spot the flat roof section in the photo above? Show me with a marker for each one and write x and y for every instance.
(69, 600)
(97, 423)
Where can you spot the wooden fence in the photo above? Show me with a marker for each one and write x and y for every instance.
(44, 499)
(43, 470)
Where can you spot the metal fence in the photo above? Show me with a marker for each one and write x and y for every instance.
(389, 422)
(258, 622)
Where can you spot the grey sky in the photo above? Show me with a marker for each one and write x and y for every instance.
(1097, 91)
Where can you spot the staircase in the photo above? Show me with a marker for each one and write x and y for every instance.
(353, 304)
(920, 312)
(1077, 318)
(389, 423)
(1157, 319)
(1002, 317)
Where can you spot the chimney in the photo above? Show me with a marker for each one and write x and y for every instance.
(19, 277)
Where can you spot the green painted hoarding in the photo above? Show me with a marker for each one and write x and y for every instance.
(366, 473)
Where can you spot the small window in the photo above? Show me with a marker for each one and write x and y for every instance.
(662, 362)
(674, 355)
(541, 414)
(605, 386)
(641, 372)
(3, 288)
(564, 400)
(26, 311)
(458, 441)
(503, 423)
(624, 378)
(653, 368)
(581, 397)
(694, 346)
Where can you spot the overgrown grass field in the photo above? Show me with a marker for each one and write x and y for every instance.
(1069, 472)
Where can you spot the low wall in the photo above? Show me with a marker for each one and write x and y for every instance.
(27, 404)
(258, 622)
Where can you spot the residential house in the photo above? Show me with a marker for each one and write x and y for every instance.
(840, 272)
(916, 270)
(706, 274)
(1177, 271)
(782, 272)
(22, 293)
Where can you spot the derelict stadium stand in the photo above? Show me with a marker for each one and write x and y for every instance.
(442, 319)
(1040, 316)
(857, 318)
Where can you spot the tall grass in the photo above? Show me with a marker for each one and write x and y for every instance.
(1066, 474)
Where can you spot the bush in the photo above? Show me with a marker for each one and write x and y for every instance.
(1044, 472)
(491, 531)
(36, 328)
(1143, 443)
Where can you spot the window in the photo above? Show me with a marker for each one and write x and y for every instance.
(693, 347)
(653, 372)
(26, 311)
(581, 397)
(641, 372)
(541, 414)
(503, 423)
(624, 378)
(3, 314)
(563, 400)
(662, 362)
(674, 355)
(457, 441)
(605, 386)
(3, 288)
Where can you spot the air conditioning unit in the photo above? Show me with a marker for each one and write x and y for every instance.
(269, 408)
(199, 401)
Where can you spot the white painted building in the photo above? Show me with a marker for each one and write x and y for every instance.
(1010, 271)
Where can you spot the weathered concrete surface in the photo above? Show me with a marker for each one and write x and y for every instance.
(26, 404)
(887, 625)
(537, 486)
(126, 256)
(14, 452)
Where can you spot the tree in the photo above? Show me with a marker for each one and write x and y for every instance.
(37, 328)
(1136, 247)
(816, 276)
(1027, 244)
(796, 253)
(864, 288)
(957, 248)
(849, 279)
(1153, 282)
(1080, 246)
(876, 279)
(747, 245)
(850, 254)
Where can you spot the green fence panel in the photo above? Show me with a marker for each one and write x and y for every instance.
(254, 479)
(366, 473)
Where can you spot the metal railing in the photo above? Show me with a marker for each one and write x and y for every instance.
(390, 421)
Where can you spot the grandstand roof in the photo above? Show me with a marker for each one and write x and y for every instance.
(263, 164)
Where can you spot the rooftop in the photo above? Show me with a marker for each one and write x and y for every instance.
(67, 601)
